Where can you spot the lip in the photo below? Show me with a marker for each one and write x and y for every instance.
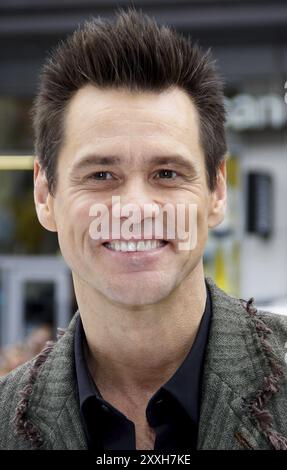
(133, 239)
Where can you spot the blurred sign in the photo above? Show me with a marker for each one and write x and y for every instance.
(256, 112)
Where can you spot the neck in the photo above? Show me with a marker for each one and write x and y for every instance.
(135, 348)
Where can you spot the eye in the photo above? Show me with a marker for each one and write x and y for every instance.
(166, 174)
(100, 176)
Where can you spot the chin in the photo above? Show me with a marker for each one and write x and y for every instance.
(136, 292)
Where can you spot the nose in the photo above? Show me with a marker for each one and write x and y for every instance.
(138, 197)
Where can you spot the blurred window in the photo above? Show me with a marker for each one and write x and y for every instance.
(16, 134)
(39, 304)
(20, 230)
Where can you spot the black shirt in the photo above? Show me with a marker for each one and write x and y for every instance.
(173, 411)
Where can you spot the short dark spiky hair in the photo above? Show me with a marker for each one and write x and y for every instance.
(135, 53)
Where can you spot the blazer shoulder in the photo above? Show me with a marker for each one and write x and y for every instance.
(277, 325)
(14, 380)
(274, 318)
(242, 315)
(10, 387)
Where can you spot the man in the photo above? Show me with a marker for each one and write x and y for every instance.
(157, 357)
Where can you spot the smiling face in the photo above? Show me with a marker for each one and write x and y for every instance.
(119, 143)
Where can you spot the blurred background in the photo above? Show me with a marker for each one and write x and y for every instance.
(246, 255)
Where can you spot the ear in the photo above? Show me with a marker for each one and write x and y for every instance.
(217, 201)
(44, 201)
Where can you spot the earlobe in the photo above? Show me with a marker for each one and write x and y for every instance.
(43, 199)
(218, 197)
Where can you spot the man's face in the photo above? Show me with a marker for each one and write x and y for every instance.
(131, 129)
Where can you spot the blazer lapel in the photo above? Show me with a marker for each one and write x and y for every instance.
(234, 369)
(53, 405)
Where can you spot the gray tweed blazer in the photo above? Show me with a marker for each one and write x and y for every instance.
(244, 395)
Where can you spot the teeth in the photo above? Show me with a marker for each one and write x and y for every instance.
(132, 246)
(142, 245)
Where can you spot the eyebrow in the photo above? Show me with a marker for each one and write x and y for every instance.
(176, 159)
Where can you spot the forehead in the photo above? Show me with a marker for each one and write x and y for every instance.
(116, 117)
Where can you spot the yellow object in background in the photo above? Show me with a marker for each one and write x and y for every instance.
(220, 271)
(222, 260)
(16, 162)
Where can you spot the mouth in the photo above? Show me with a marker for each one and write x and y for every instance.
(135, 246)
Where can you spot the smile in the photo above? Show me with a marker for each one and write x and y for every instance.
(142, 245)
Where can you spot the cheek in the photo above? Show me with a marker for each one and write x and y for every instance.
(197, 215)
(73, 218)
(199, 225)
(202, 224)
